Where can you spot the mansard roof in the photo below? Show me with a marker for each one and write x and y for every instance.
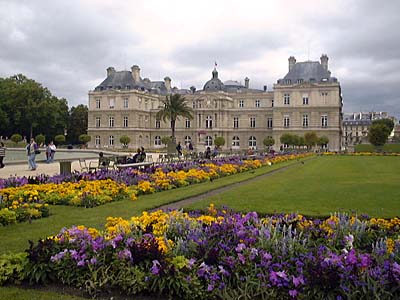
(308, 71)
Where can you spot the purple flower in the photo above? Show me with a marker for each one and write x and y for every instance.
(240, 247)
(155, 269)
(210, 287)
(125, 254)
(298, 280)
(93, 261)
(293, 293)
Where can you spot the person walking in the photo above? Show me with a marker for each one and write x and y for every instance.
(179, 149)
(52, 151)
(32, 149)
(2, 154)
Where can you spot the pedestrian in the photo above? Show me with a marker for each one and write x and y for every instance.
(48, 154)
(32, 149)
(179, 149)
(2, 154)
(207, 154)
(142, 156)
(52, 151)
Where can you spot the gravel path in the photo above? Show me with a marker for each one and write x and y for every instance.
(181, 203)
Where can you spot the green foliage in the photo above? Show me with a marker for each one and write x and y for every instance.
(323, 140)
(392, 148)
(295, 140)
(84, 138)
(16, 138)
(268, 141)
(77, 123)
(287, 139)
(378, 134)
(12, 268)
(7, 216)
(219, 141)
(59, 139)
(310, 139)
(387, 122)
(125, 140)
(174, 106)
(166, 140)
(40, 139)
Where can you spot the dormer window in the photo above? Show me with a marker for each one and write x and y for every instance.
(324, 79)
(128, 87)
(299, 81)
(288, 81)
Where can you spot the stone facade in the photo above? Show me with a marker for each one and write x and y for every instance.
(306, 99)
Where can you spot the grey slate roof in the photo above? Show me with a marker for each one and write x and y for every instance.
(309, 71)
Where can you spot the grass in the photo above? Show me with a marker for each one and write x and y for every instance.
(370, 148)
(14, 238)
(17, 293)
(341, 183)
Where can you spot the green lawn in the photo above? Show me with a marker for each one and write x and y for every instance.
(321, 186)
(370, 148)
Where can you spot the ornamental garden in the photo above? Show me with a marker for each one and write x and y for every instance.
(272, 237)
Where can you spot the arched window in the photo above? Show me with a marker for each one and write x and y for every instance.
(111, 140)
(97, 140)
(252, 142)
(235, 141)
(208, 140)
(157, 140)
(188, 139)
(209, 122)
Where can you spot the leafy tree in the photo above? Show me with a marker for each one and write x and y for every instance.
(219, 141)
(16, 138)
(302, 141)
(59, 139)
(84, 138)
(310, 139)
(40, 139)
(77, 123)
(287, 139)
(387, 122)
(322, 141)
(295, 140)
(378, 134)
(174, 106)
(125, 140)
(166, 140)
(268, 141)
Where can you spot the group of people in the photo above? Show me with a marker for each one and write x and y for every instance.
(188, 148)
(140, 156)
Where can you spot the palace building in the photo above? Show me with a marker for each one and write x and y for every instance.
(306, 99)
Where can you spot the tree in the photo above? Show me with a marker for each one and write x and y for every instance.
(40, 139)
(287, 139)
(295, 140)
(268, 142)
(125, 140)
(310, 139)
(77, 123)
(16, 138)
(166, 140)
(323, 141)
(378, 134)
(84, 138)
(387, 122)
(302, 141)
(174, 106)
(219, 141)
(59, 139)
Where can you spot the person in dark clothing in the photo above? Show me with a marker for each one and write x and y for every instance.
(142, 156)
(179, 148)
(2, 154)
(207, 154)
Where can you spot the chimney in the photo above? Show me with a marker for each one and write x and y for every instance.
(292, 62)
(167, 82)
(193, 89)
(246, 82)
(324, 61)
(265, 88)
(135, 73)
(110, 70)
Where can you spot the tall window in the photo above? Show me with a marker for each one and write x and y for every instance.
(98, 119)
(324, 121)
(286, 99)
(97, 140)
(235, 122)
(125, 122)
(111, 102)
(235, 141)
(98, 103)
(157, 140)
(111, 122)
(269, 123)
(252, 122)
(208, 140)
(272, 103)
(305, 120)
(286, 121)
(209, 122)
(305, 99)
(126, 102)
(157, 123)
(252, 142)
(188, 139)
(111, 140)
(194, 104)
(257, 103)
(241, 103)
(324, 96)
(187, 123)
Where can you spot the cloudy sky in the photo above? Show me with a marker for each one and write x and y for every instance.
(67, 45)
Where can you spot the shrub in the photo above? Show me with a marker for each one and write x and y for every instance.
(12, 268)
(7, 216)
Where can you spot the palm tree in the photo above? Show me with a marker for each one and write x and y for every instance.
(174, 106)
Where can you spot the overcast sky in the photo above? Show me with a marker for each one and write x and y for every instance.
(67, 45)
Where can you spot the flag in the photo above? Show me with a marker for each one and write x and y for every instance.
(215, 64)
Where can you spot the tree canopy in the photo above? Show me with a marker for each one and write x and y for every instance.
(174, 106)
(77, 123)
(387, 122)
(378, 134)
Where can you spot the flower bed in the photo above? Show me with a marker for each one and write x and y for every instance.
(226, 255)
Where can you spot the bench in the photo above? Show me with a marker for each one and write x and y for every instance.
(135, 165)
